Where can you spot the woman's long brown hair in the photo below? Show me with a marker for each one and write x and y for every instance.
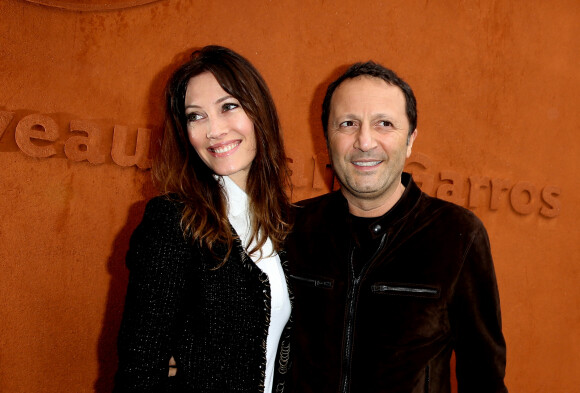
(180, 173)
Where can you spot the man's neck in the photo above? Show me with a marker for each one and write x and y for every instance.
(373, 207)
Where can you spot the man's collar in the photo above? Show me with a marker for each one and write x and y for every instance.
(398, 212)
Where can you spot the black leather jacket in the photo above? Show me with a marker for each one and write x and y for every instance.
(429, 289)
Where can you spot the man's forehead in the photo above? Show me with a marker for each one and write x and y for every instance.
(361, 79)
(365, 88)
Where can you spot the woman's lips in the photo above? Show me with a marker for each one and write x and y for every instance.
(224, 149)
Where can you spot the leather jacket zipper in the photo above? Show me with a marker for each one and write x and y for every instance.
(315, 283)
(404, 290)
(351, 309)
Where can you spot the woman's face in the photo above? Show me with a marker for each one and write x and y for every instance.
(219, 129)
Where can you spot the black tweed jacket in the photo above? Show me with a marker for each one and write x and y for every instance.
(214, 322)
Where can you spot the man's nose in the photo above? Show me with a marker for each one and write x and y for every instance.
(365, 140)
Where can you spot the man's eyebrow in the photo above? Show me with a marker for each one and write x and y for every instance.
(346, 116)
(382, 114)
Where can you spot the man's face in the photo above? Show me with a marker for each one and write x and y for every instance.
(368, 137)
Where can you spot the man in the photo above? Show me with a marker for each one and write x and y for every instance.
(388, 281)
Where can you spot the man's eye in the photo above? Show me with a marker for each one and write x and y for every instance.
(229, 106)
(191, 117)
(385, 123)
(348, 123)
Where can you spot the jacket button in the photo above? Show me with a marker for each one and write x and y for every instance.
(377, 228)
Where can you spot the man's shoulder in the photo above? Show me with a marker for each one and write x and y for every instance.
(324, 198)
(449, 213)
(332, 200)
(313, 213)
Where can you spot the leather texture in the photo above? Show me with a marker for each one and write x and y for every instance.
(427, 290)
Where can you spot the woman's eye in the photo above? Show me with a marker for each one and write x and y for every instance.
(229, 106)
(191, 117)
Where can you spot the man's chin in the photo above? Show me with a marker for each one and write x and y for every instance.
(365, 193)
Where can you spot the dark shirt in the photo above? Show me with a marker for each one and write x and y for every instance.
(365, 244)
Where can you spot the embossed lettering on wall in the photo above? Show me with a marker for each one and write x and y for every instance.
(476, 191)
(36, 135)
(473, 191)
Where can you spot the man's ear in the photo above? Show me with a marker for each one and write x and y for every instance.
(410, 140)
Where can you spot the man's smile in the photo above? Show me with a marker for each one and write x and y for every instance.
(366, 163)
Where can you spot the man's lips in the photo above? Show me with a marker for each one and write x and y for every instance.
(224, 149)
(366, 163)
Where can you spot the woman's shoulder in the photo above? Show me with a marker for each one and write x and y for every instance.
(159, 234)
(162, 214)
(164, 202)
(163, 206)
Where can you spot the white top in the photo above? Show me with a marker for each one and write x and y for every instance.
(238, 214)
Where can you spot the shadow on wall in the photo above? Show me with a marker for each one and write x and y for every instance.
(107, 344)
(316, 130)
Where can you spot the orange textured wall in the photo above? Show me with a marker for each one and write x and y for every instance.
(498, 90)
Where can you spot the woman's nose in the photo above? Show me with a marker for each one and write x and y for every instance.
(216, 128)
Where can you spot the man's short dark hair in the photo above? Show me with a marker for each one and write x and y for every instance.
(374, 70)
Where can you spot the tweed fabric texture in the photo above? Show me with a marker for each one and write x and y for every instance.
(213, 321)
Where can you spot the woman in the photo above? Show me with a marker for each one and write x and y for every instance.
(207, 292)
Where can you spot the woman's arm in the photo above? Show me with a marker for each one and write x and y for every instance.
(156, 259)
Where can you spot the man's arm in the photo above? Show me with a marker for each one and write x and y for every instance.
(476, 322)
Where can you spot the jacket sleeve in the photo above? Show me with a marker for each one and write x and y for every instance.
(156, 260)
(476, 321)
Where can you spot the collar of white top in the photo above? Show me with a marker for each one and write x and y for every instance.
(237, 198)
